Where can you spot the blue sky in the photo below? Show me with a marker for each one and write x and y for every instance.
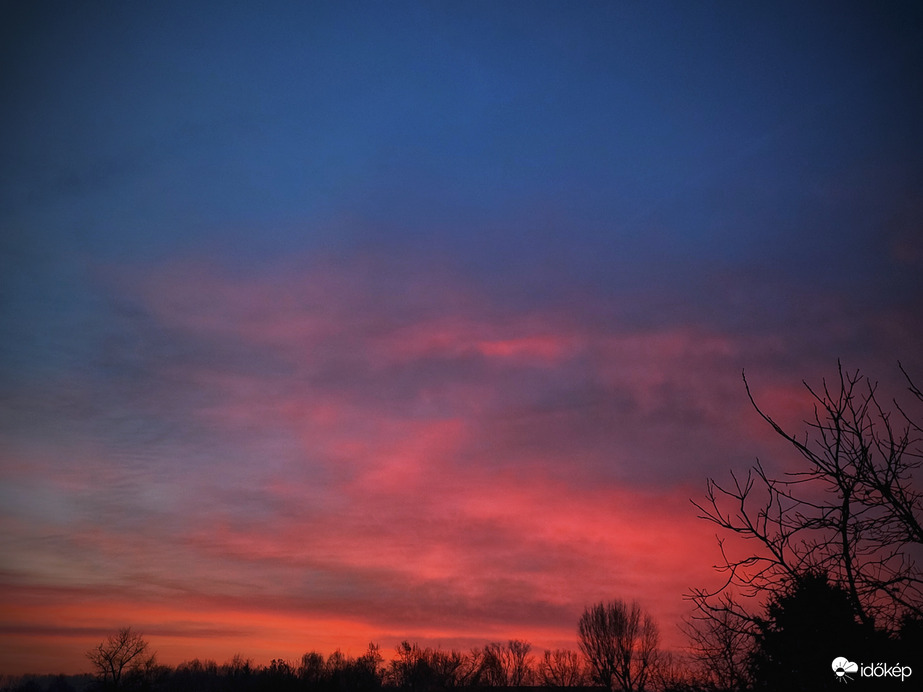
(259, 266)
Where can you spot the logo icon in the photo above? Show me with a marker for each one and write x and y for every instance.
(842, 667)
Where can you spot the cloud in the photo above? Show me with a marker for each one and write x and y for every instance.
(385, 449)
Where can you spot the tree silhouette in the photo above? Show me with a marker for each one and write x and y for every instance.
(620, 644)
(721, 644)
(517, 662)
(450, 668)
(505, 665)
(853, 513)
(312, 671)
(561, 668)
(806, 627)
(411, 669)
(122, 658)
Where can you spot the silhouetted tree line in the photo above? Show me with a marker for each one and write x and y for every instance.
(617, 649)
(124, 662)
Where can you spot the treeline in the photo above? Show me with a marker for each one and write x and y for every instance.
(414, 668)
(618, 642)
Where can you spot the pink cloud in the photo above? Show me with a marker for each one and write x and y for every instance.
(348, 464)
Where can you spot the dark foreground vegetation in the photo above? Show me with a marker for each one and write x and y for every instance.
(826, 561)
(124, 662)
(825, 588)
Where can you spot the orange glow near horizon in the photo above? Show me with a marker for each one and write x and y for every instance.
(185, 626)
(178, 633)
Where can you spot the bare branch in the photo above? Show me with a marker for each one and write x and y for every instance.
(853, 512)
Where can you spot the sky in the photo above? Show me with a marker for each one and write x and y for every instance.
(326, 323)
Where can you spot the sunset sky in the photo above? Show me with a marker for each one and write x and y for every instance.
(326, 323)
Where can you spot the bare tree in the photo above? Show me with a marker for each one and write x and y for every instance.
(450, 668)
(721, 643)
(560, 668)
(410, 669)
(491, 669)
(517, 662)
(620, 644)
(671, 673)
(502, 665)
(122, 656)
(854, 513)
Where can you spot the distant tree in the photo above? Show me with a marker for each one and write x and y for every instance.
(561, 668)
(489, 666)
(411, 668)
(417, 667)
(450, 668)
(362, 673)
(336, 670)
(505, 664)
(672, 672)
(238, 668)
(620, 643)
(280, 675)
(312, 671)
(518, 662)
(123, 658)
(197, 676)
(721, 644)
